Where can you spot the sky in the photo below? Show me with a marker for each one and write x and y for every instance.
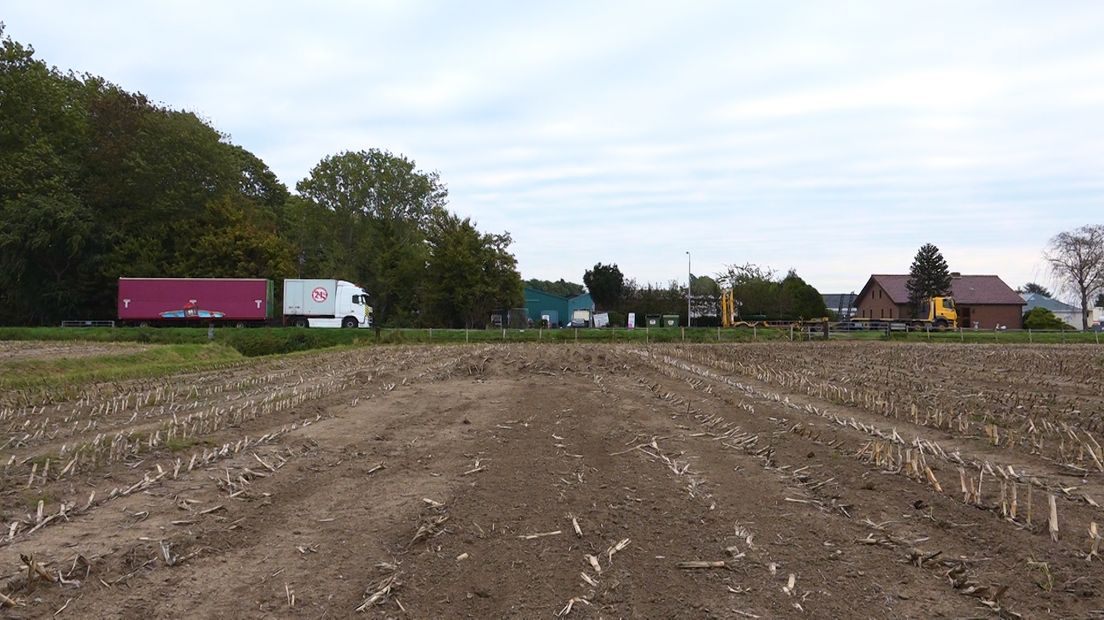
(833, 138)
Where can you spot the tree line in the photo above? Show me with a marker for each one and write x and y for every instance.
(760, 292)
(98, 183)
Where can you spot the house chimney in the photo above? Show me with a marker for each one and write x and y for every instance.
(955, 274)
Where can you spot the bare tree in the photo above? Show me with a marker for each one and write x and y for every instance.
(1077, 262)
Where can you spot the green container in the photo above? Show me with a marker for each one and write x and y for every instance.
(653, 320)
(670, 320)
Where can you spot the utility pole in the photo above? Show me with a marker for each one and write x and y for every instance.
(689, 282)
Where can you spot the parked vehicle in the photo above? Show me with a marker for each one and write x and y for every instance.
(325, 303)
(581, 318)
(240, 302)
(194, 301)
(935, 313)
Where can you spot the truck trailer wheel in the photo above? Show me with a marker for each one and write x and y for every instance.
(350, 322)
(301, 322)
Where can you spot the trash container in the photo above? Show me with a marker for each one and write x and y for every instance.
(653, 320)
(670, 320)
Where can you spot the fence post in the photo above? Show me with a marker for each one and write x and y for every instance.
(431, 334)
(1030, 339)
(683, 334)
(718, 333)
(504, 333)
(540, 333)
(961, 338)
(791, 332)
(647, 335)
(466, 335)
(754, 333)
(576, 334)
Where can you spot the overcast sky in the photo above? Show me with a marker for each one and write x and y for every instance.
(834, 138)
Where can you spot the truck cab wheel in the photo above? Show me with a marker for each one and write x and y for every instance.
(941, 324)
(350, 322)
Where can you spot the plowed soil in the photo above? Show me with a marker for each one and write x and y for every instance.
(433, 482)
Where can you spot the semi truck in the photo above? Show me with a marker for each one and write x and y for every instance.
(241, 302)
(325, 303)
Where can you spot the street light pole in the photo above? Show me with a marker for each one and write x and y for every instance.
(689, 282)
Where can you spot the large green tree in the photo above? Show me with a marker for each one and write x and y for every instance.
(605, 283)
(800, 299)
(383, 205)
(468, 273)
(928, 276)
(98, 183)
(559, 287)
(760, 294)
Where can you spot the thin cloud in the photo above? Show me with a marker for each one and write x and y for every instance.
(831, 138)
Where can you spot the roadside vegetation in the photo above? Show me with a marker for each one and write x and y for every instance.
(58, 371)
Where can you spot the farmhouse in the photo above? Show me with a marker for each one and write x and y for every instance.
(983, 301)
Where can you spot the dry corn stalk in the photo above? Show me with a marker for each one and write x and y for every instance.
(1053, 521)
(1094, 540)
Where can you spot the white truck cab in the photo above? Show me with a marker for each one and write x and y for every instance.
(325, 303)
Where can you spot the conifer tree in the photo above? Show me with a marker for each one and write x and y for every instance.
(928, 276)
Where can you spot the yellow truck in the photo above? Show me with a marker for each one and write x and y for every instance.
(937, 313)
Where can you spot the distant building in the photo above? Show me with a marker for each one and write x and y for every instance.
(984, 301)
(540, 304)
(1069, 314)
(843, 304)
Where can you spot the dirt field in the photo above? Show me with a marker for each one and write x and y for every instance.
(527, 481)
(11, 351)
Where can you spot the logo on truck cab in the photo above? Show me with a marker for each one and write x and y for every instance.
(319, 294)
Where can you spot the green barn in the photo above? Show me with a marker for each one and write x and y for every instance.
(558, 309)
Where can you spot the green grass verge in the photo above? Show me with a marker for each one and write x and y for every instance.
(156, 361)
(276, 340)
(253, 342)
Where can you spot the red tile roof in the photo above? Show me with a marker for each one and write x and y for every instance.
(966, 290)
